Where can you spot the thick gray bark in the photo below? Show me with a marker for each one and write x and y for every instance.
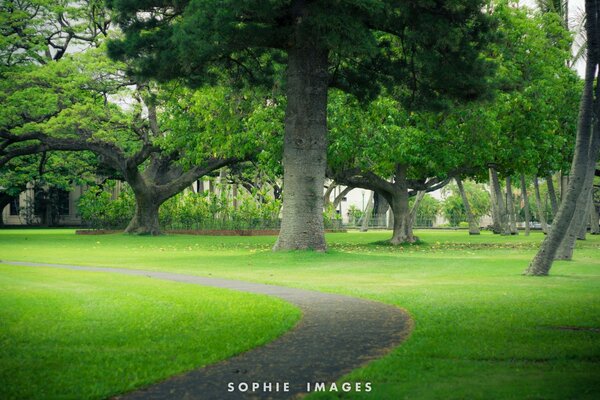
(403, 218)
(304, 150)
(552, 195)
(538, 203)
(586, 147)
(473, 224)
(502, 212)
(510, 207)
(525, 204)
(364, 226)
(145, 220)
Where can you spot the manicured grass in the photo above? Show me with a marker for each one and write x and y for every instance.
(482, 330)
(80, 335)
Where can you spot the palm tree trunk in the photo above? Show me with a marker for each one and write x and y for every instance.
(510, 207)
(538, 203)
(586, 148)
(525, 204)
(364, 226)
(473, 225)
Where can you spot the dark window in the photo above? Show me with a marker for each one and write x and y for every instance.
(14, 206)
(63, 202)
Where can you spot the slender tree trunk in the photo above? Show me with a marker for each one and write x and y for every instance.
(304, 150)
(525, 204)
(581, 235)
(473, 224)
(552, 195)
(502, 211)
(338, 199)
(327, 195)
(538, 203)
(586, 148)
(496, 226)
(578, 221)
(510, 207)
(413, 211)
(364, 226)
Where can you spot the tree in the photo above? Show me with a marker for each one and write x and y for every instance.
(430, 46)
(159, 143)
(454, 208)
(587, 147)
(383, 148)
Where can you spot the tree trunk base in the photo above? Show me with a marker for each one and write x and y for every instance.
(143, 231)
(474, 233)
(401, 241)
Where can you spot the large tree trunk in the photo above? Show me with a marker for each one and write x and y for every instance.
(538, 203)
(473, 224)
(304, 150)
(552, 195)
(502, 213)
(525, 204)
(510, 207)
(586, 149)
(145, 220)
(403, 220)
(496, 226)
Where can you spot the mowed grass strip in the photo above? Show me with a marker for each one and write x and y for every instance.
(482, 330)
(87, 335)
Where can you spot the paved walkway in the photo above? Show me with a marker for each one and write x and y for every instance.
(335, 335)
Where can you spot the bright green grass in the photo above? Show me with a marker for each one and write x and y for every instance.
(482, 330)
(79, 335)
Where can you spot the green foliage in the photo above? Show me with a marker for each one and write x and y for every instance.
(370, 42)
(428, 209)
(331, 218)
(99, 210)
(453, 208)
(354, 215)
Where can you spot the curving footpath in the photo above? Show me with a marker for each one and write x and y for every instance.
(335, 335)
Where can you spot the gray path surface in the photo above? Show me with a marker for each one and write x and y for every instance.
(335, 335)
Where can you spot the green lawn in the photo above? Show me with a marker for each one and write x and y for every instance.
(79, 335)
(482, 330)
